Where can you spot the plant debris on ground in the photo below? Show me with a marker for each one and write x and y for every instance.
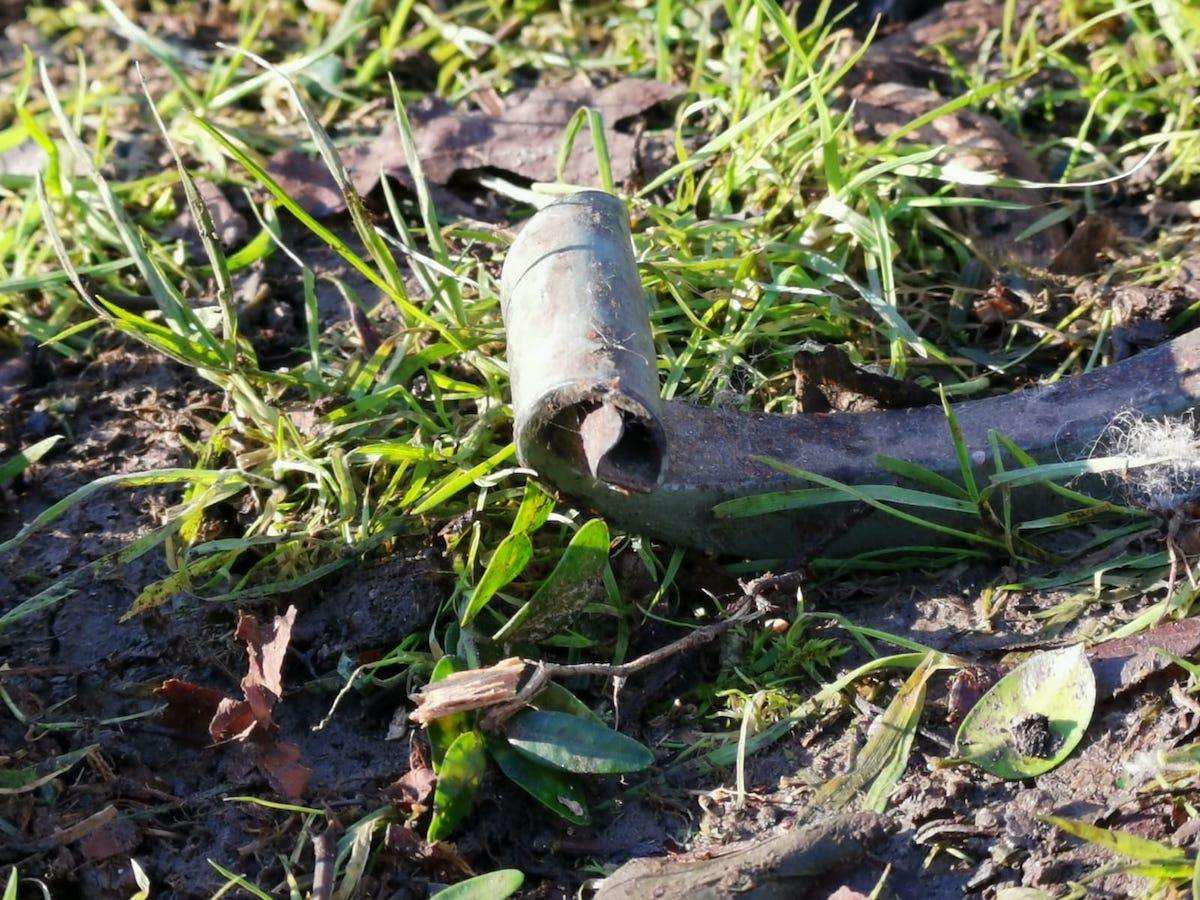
(280, 611)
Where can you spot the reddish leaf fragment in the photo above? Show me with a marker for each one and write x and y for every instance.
(262, 685)
(1125, 663)
(190, 707)
(526, 138)
(115, 839)
(267, 646)
(230, 225)
(280, 762)
(439, 857)
(1080, 254)
(307, 181)
(412, 789)
(233, 720)
(998, 304)
(250, 719)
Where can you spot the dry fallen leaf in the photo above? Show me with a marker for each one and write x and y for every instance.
(190, 707)
(231, 227)
(975, 143)
(438, 856)
(262, 684)
(411, 790)
(523, 140)
(248, 720)
(1080, 254)
(1124, 663)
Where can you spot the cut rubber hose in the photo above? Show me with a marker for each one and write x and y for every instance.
(589, 419)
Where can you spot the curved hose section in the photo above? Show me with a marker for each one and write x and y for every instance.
(588, 417)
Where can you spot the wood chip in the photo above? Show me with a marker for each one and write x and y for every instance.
(464, 691)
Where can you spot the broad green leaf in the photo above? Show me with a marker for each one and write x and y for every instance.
(556, 698)
(1032, 718)
(509, 560)
(458, 781)
(536, 506)
(574, 744)
(10, 889)
(555, 790)
(15, 465)
(490, 886)
(576, 581)
(445, 731)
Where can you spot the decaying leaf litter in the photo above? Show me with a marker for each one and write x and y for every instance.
(353, 432)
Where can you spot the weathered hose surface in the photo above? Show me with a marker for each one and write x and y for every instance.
(589, 419)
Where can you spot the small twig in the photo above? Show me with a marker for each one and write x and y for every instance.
(324, 856)
(545, 672)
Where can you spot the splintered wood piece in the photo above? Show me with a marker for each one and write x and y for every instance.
(778, 868)
(474, 689)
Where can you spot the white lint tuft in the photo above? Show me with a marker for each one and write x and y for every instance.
(1164, 456)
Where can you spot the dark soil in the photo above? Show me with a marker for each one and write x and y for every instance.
(77, 664)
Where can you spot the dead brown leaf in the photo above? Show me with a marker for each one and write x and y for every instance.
(827, 381)
(308, 182)
(230, 225)
(249, 720)
(263, 682)
(280, 762)
(190, 707)
(115, 839)
(998, 305)
(1125, 663)
(439, 856)
(1080, 254)
(412, 790)
(957, 30)
(523, 140)
(1143, 314)
(977, 143)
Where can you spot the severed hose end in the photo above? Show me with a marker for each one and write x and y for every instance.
(589, 419)
(580, 353)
